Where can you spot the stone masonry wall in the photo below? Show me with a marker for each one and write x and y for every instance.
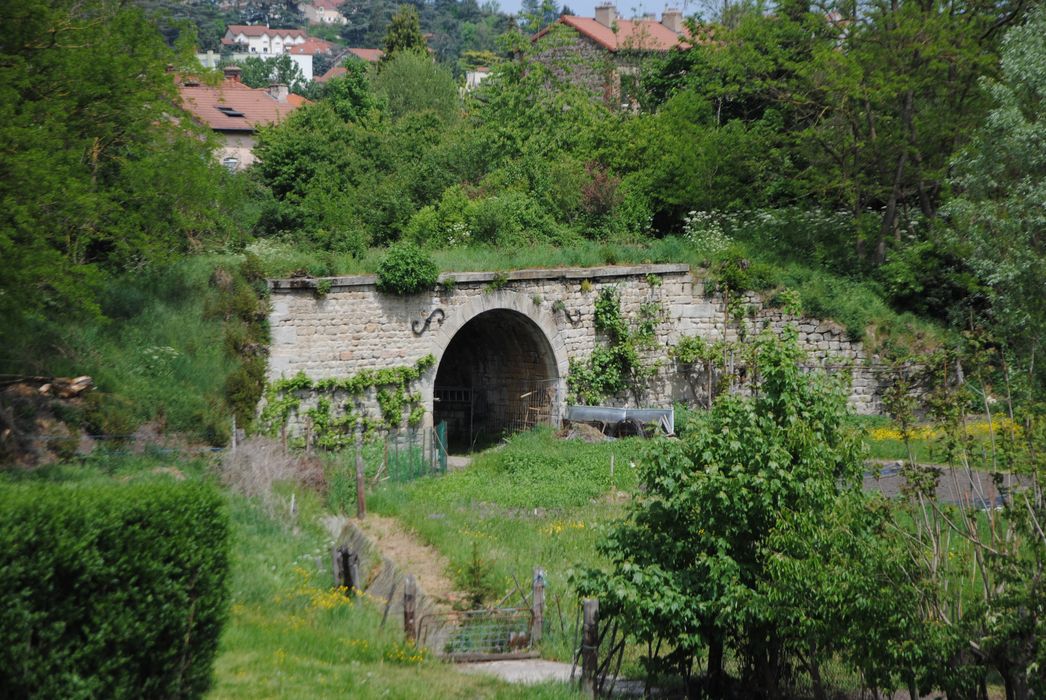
(355, 327)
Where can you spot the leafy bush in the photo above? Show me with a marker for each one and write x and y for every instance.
(111, 591)
(406, 269)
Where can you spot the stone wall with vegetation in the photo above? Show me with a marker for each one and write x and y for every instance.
(342, 334)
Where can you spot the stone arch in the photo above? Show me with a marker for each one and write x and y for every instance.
(497, 356)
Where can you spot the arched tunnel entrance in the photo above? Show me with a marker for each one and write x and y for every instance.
(498, 375)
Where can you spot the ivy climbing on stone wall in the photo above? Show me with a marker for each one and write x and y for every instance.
(339, 406)
(618, 366)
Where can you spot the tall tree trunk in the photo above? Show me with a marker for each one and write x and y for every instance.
(890, 215)
(716, 684)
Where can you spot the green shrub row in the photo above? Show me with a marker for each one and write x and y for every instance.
(111, 591)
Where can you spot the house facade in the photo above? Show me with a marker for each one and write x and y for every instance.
(604, 54)
(235, 112)
(323, 12)
(247, 40)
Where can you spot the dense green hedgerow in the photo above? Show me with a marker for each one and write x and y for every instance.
(114, 591)
(406, 269)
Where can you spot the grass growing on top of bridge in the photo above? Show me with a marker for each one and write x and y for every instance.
(856, 304)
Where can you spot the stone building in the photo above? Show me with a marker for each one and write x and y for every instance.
(604, 54)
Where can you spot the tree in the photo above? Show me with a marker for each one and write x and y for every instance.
(101, 172)
(413, 82)
(404, 33)
(998, 217)
(258, 72)
(691, 564)
(350, 95)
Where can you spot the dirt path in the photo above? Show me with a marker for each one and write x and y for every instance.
(522, 671)
(411, 556)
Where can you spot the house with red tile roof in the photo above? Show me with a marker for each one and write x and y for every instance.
(605, 53)
(367, 55)
(323, 12)
(235, 112)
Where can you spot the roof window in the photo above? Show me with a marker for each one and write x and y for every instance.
(230, 112)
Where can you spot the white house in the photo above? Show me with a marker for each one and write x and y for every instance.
(261, 41)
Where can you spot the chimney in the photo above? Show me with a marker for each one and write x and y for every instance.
(606, 14)
(672, 18)
(232, 73)
(279, 92)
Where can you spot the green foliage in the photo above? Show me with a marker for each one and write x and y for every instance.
(477, 580)
(323, 287)
(1000, 550)
(997, 218)
(690, 564)
(350, 95)
(283, 398)
(499, 281)
(412, 82)
(100, 175)
(404, 34)
(406, 270)
(112, 590)
(612, 369)
(263, 71)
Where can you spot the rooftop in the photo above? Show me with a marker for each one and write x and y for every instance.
(613, 34)
(233, 106)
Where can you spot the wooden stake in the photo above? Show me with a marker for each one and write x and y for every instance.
(361, 503)
(353, 564)
(537, 605)
(409, 595)
(589, 648)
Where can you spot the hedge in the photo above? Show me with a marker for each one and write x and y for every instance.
(112, 591)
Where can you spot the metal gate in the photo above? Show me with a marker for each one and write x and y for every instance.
(479, 415)
(477, 635)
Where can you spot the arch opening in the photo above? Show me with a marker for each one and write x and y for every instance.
(498, 375)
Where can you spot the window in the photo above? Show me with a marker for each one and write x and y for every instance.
(230, 112)
(230, 163)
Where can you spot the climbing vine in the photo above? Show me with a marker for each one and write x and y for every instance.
(618, 366)
(283, 399)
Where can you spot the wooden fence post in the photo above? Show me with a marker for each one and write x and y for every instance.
(346, 569)
(353, 566)
(409, 594)
(361, 503)
(339, 574)
(537, 605)
(589, 648)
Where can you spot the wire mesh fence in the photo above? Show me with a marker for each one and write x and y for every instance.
(414, 453)
(474, 634)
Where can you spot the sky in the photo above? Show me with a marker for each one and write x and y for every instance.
(625, 8)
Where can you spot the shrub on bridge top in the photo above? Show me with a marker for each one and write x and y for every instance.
(406, 269)
(111, 591)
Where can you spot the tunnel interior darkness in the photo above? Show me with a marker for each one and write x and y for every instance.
(498, 375)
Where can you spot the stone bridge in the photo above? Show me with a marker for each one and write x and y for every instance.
(503, 342)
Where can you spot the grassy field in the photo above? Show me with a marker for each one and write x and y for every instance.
(535, 501)
(930, 445)
(289, 634)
